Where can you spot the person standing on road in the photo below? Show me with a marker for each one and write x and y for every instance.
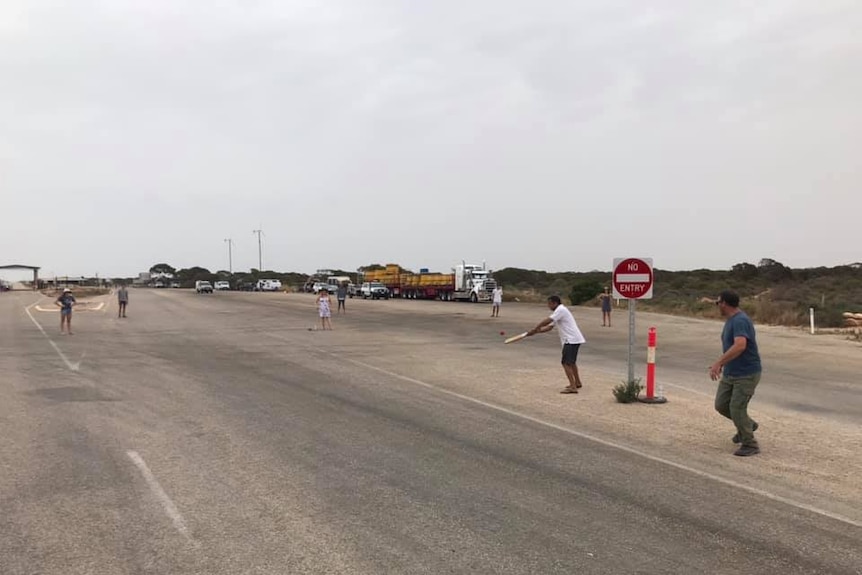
(324, 309)
(738, 372)
(497, 300)
(605, 298)
(122, 300)
(66, 302)
(570, 337)
(341, 296)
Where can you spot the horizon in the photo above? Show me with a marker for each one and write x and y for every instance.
(27, 275)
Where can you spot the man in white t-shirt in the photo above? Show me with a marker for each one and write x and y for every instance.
(570, 336)
(496, 300)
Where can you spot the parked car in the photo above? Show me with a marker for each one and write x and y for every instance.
(318, 286)
(374, 290)
(221, 285)
(245, 286)
(203, 287)
(268, 285)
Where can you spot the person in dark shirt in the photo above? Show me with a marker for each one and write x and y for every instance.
(738, 372)
(341, 296)
(65, 302)
(605, 298)
(122, 300)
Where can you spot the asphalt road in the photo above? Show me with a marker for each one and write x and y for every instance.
(216, 434)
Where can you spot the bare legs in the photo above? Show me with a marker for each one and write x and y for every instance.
(573, 377)
(66, 322)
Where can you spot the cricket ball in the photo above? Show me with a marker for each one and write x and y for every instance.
(502, 333)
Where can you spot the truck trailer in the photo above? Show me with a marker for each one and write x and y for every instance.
(467, 282)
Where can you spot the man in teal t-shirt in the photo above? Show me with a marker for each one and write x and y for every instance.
(739, 370)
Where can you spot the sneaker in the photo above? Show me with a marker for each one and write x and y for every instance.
(737, 439)
(747, 450)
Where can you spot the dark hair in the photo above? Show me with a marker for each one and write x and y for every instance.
(731, 298)
(555, 299)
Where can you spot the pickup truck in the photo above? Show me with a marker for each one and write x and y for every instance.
(221, 285)
(203, 287)
(374, 290)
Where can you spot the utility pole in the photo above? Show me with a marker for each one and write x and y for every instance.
(229, 255)
(259, 250)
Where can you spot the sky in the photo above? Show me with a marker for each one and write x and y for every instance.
(549, 134)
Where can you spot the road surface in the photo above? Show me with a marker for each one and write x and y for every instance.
(217, 434)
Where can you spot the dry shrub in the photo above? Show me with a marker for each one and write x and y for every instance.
(770, 312)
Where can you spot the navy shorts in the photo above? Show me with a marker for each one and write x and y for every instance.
(570, 353)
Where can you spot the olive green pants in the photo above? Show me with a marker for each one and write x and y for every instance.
(731, 400)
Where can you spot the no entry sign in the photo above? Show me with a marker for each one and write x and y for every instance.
(633, 278)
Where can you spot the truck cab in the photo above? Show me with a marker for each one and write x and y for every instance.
(473, 282)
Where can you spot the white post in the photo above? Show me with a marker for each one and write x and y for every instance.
(811, 317)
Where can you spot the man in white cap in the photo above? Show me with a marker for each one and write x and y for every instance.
(65, 302)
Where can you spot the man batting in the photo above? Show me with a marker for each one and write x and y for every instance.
(570, 337)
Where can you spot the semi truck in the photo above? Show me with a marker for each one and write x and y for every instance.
(467, 282)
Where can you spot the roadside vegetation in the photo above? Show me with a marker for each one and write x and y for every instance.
(771, 292)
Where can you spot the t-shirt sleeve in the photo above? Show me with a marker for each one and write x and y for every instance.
(556, 314)
(742, 327)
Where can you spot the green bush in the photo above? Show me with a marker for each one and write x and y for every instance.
(627, 392)
(584, 291)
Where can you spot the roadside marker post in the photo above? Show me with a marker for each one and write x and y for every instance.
(811, 319)
(651, 396)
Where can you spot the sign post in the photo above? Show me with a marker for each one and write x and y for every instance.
(632, 280)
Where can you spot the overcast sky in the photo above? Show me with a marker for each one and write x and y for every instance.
(549, 134)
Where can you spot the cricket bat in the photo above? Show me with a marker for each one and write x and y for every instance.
(515, 338)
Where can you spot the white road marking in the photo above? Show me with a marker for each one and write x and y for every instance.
(69, 364)
(80, 307)
(606, 443)
(168, 505)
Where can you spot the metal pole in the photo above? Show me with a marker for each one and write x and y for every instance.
(229, 255)
(259, 250)
(632, 305)
(811, 318)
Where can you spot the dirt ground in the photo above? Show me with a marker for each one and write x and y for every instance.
(813, 458)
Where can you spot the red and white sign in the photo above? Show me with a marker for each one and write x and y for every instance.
(633, 278)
